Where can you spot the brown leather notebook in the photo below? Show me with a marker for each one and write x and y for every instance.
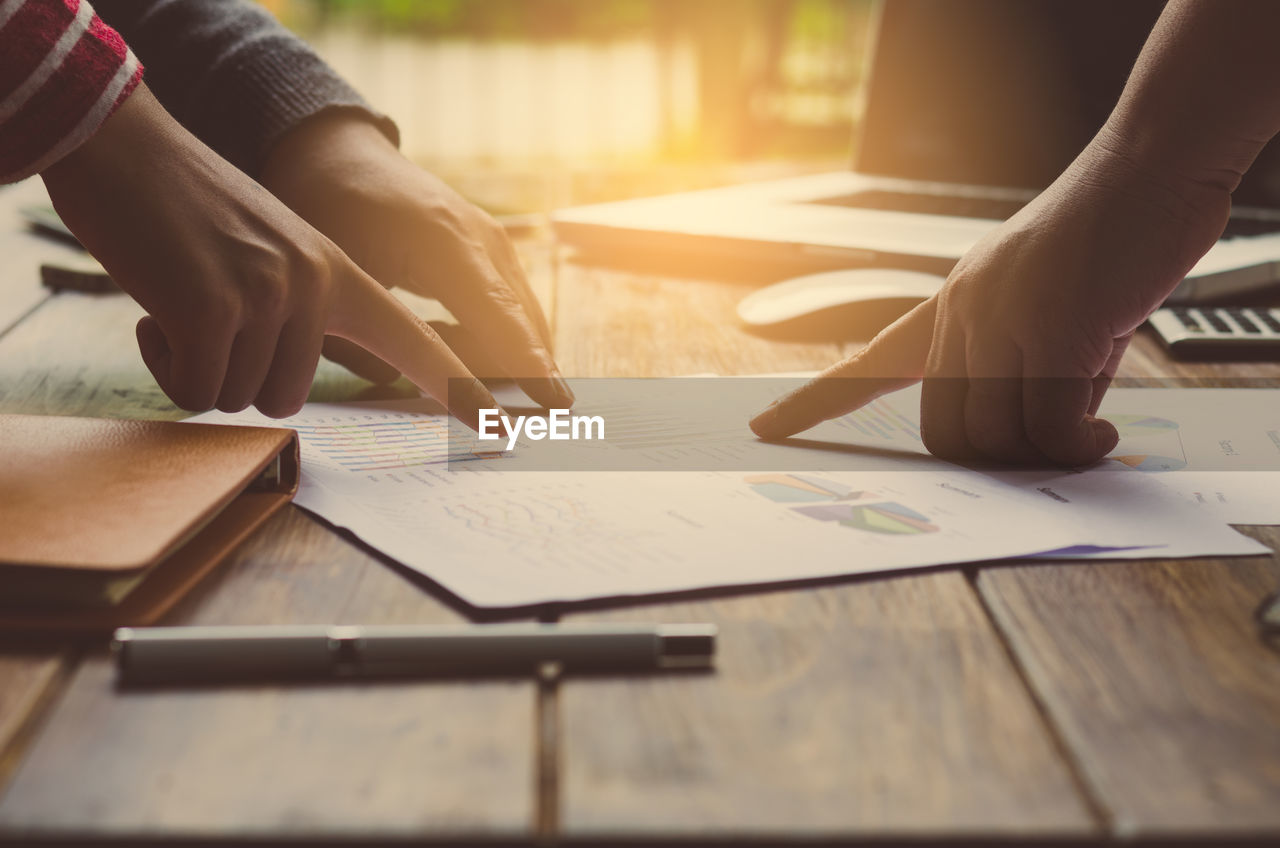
(105, 523)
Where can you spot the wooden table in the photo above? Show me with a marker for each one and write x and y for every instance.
(1076, 702)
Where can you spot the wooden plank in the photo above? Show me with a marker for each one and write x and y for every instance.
(405, 760)
(1161, 687)
(619, 324)
(23, 252)
(29, 678)
(885, 708)
(876, 708)
(1153, 672)
(29, 675)
(394, 760)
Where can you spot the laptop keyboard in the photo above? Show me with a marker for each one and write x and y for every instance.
(994, 208)
(1237, 227)
(927, 204)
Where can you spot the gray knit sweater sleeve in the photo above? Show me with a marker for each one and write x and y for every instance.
(230, 73)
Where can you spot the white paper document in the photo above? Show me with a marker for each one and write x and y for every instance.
(1124, 507)
(1216, 447)
(504, 538)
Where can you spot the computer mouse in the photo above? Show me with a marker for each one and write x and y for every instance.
(837, 294)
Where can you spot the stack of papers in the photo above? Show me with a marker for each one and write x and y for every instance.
(1190, 462)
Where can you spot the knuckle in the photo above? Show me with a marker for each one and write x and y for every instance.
(320, 286)
(261, 259)
(312, 254)
(269, 297)
(446, 220)
(493, 229)
(308, 269)
(501, 296)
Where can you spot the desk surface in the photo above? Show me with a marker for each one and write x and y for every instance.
(1083, 701)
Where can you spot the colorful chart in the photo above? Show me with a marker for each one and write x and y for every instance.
(829, 501)
(1147, 443)
(800, 488)
(1141, 425)
(880, 420)
(888, 518)
(1148, 462)
(381, 444)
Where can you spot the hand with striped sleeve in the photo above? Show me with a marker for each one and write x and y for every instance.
(63, 72)
(241, 293)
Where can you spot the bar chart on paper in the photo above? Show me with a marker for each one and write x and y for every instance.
(380, 445)
(882, 420)
(828, 500)
(365, 439)
(1148, 443)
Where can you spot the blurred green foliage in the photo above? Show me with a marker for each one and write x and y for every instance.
(495, 18)
(566, 18)
(770, 77)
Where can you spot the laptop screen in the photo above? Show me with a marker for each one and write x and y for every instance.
(1005, 92)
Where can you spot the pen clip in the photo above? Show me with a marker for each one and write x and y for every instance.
(346, 649)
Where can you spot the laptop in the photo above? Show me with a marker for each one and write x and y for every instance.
(972, 107)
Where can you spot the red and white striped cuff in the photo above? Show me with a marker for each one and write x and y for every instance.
(62, 73)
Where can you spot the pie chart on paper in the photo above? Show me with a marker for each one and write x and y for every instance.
(1148, 443)
(1148, 462)
(801, 488)
(889, 519)
(1141, 425)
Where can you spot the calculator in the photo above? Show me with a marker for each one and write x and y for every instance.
(1229, 332)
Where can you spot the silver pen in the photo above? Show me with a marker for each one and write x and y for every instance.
(159, 655)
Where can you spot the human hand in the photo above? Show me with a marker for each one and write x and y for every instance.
(1019, 346)
(240, 291)
(405, 227)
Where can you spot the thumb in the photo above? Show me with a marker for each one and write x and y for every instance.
(1057, 419)
(893, 360)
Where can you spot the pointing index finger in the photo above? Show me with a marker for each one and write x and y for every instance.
(893, 360)
(493, 309)
(367, 314)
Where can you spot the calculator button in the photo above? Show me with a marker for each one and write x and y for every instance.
(1216, 322)
(1188, 320)
(1239, 316)
(1268, 317)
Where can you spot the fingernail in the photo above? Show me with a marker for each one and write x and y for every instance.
(561, 388)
